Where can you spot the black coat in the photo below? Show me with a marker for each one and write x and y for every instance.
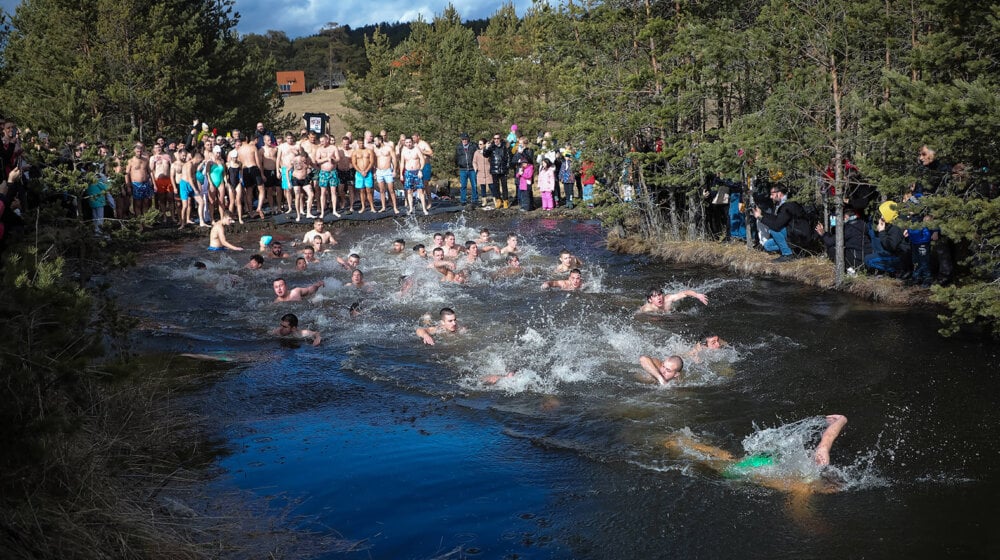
(499, 158)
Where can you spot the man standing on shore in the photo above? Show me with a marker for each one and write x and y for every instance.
(328, 180)
(137, 180)
(412, 174)
(249, 158)
(499, 158)
(363, 160)
(385, 168)
(428, 153)
(465, 154)
(345, 172)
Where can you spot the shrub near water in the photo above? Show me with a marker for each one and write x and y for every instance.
(84, 445)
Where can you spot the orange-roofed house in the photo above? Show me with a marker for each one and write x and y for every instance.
(292, 82)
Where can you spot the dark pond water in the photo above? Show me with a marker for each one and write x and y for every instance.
(386, 448)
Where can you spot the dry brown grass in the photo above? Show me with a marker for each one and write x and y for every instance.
(329, 101)
(814, 271)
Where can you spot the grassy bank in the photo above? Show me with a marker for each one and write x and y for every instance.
(813, 271)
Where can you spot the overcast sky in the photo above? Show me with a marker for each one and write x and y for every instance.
(298, 18)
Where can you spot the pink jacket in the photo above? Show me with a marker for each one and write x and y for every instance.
(547, 180)
(526, 174)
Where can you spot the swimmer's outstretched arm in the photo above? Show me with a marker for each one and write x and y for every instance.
(306, 333)
(425, 335)
(652, 366)
(835, 423)
(672, 298)
(311, 289)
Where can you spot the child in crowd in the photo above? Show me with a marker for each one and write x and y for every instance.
(547, 183)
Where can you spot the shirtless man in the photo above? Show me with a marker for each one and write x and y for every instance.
(567, 262)
(249, 158)
(317, 231)
(711, 342)
(137, 180)
(301, 179)
(159, 165)
(447, 324)
(256, 262)
(411, 174)
(289, 327)
(287, 153)
(283, 294)
(363, 161)
(358, 281)
(471, 252)
(660, 371)
(398, 246)
(345, 172)
(438, 260)
(657, 302)
(572, 284)
(428, 153)
(301, 265)
(217, 237)
(511, 246)
(309, 254)
(385, 169)
(183, 175)
(268, 154)
(485, 242)
(328, 180)
(450, 249)
(352, 262)
(309, 146)
(513, 267)
(420, 250)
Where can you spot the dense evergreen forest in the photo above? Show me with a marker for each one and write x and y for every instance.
(823, 96)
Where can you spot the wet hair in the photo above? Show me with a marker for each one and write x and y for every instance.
(512, 258)
(437, 250)
(400, 241)
(278, 279)
(652, 292)
(418, 247)
(448, 234)
(511, 236)
(575, 271)
(484, 230)
(258, 259)
(358, 270)
(291, 319)
(300, 259)
(438, 234)
(446, 311)
(200, 265)
(354, 256)
(470, 244)
(355, 309)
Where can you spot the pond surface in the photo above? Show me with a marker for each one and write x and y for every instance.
(387, 448)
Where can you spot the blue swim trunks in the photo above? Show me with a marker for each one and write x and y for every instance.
(216, 248)
(186, 190)
(427, 171)
(411, 180)
(142, 191)
(328, 179)
(366, 181)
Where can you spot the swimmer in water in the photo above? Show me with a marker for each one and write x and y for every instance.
(572, 284)
(398, 246)
(289, 328)
(447, 275)
(317, 231)
(283, 294)
(711, 342)
(217, 237)
(567, 262)
(420, 250)
(256, 263)
(439, 260)
(300, 264)
(309, 254)
(358, 281)
(511, 246)
(485, 242)
(753, 467)
(277, 251)
(450, 249)
(658, 302)
(352, 262)
(447, 324)
(513, 267)
(660, 371)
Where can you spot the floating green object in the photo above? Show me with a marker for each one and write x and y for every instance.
(743, 467)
